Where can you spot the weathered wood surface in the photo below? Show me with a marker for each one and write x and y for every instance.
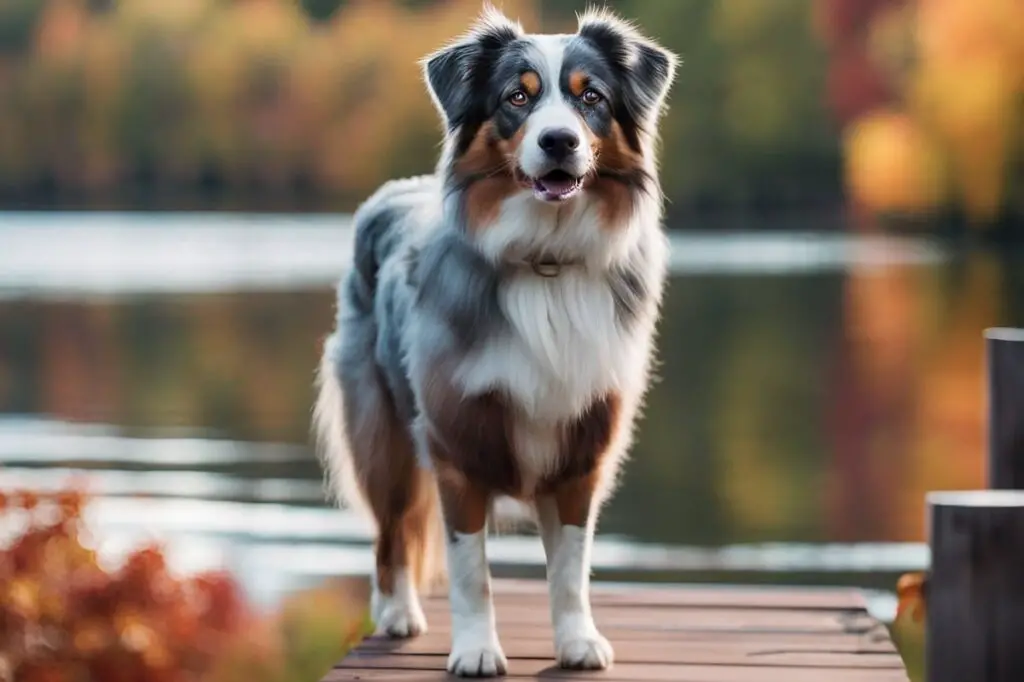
(683, 634)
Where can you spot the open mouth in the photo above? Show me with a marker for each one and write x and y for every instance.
(554, 186)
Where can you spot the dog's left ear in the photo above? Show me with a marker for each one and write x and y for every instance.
(647, 69)
(455, 72)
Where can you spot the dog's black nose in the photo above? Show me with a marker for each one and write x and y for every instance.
(559, 143)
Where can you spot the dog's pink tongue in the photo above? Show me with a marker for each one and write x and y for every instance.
(556, 186)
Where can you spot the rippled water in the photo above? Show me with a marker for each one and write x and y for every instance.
(812, 388)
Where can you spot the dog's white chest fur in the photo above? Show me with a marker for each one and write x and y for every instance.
(564, 348)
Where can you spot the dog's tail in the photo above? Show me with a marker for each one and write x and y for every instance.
(341, 482)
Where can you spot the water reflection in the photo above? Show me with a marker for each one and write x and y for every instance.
(812, 388)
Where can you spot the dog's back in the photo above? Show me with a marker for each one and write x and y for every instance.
(380, 224)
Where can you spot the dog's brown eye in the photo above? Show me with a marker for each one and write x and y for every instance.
(518, 98)
(591, 96)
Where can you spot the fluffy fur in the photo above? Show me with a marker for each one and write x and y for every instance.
(495, 334)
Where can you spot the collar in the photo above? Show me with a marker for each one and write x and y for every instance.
(547, 266)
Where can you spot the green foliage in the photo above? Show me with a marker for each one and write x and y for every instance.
(321, 10)
(266, 95)
(17, 19)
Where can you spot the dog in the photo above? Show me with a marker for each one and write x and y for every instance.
(495, 333)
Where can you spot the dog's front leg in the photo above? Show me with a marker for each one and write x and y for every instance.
(567, 527)
(476, 651)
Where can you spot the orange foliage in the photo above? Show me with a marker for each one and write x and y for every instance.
(911, 592)
(960, 98)
(917, 355)
(63, 616)
(891, 164)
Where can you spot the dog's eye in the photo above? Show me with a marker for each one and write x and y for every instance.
(591, 96)
(518, 98)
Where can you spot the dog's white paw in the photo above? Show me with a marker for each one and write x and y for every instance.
(589, 651)
(399, 618)
(399, 614)
(477, 659)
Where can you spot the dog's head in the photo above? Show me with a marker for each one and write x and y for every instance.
(555, 115)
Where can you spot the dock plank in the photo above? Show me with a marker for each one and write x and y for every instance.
(627, 673)
(748, 597)
(686, 634)
(402, 660)
(676, 619)
(648, 650)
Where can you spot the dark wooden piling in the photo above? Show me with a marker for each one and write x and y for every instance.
(975, 598)
(1005, 367)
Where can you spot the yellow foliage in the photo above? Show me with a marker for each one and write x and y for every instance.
(947, 439)
(891, 164)
(180, 15)
(966, 90)
(951, 30)
(972, 104)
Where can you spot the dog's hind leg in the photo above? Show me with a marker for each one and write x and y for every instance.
(399, 500)
(369, 454)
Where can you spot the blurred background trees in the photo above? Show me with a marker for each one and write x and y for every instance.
(931, 95)
(909, 106)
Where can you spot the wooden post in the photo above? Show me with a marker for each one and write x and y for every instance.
(1005, 359)
(975, 593)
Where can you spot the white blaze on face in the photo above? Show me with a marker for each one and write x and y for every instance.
(552, 112)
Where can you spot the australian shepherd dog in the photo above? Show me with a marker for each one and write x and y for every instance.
(495, 332)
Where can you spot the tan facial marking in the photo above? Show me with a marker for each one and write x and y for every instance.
(531, 83)
(489, 156)
(578, 81)
(508, 148)
(480, 156)
(614, 154)
(483, 201)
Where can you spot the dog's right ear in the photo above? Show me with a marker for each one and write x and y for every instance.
(455, 72)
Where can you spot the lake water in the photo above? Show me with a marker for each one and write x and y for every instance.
(812, 388)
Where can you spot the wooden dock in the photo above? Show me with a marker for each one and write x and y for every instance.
(683, 634)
